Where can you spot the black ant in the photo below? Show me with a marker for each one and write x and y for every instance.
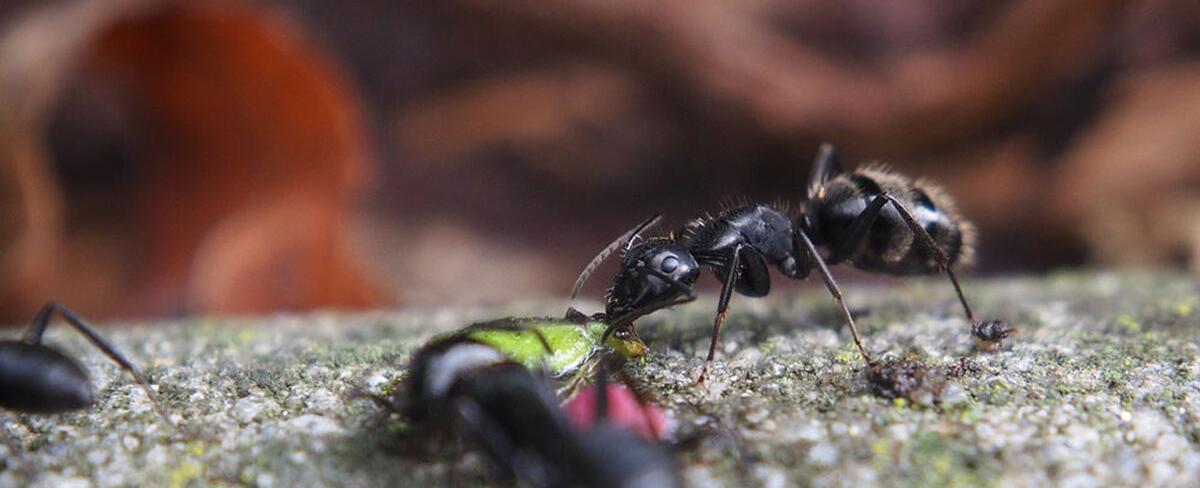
(920, 232)
(461, 385)
(35, 378)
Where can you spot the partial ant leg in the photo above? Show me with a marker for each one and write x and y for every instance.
(602, 394)
(42, 320)
(574, 315)
(731, 278)
(837, 294)
(384, 402)
(927, 240)
(490, 435)
(688, 295)
(681, 287)
(860, 229)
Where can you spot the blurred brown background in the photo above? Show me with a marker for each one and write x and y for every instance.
(159, 158)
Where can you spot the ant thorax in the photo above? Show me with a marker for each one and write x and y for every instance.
(765, 229)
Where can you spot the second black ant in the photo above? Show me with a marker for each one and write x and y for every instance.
(873, 218)
(35, 378)
(461, 386)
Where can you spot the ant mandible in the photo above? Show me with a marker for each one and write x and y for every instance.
(35, 378)
(920, 232)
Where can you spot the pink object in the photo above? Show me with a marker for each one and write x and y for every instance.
(624, 411)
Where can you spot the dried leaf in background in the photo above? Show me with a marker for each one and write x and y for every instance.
(249, 159)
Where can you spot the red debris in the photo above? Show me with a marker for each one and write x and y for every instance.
(624, 411)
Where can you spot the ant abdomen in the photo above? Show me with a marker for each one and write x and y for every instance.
(890, 245)
(37, 379)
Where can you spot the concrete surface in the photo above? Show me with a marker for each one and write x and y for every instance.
(1100, 389)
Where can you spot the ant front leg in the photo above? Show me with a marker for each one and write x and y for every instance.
(42, 320)
(731, 277)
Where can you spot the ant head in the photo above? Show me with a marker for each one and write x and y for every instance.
(654, 271)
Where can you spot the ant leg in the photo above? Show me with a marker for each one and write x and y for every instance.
(40, 322)
(37, 327)
(927, 241)
(825, 165)
(380, 401)
(858, 231)
(602, 394)
(837, 295)
(574, 315)
(722, 308)
(636, 314)
(688, 295)
(683, 288)
(34, 336)
(542, 339)
(490, 435)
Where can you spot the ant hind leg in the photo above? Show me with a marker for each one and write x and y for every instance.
(926, 240)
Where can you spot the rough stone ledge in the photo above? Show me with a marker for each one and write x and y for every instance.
(1101, 388)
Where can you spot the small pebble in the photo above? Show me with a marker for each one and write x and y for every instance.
(823, 455)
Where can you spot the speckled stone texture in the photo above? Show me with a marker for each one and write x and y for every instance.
(1099, 389)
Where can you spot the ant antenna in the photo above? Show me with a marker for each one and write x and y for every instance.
(626, 240)
(42, 320)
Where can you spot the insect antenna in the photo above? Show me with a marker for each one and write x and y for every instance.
(625, 240)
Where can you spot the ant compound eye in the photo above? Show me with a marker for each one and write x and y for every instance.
(669, 264)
